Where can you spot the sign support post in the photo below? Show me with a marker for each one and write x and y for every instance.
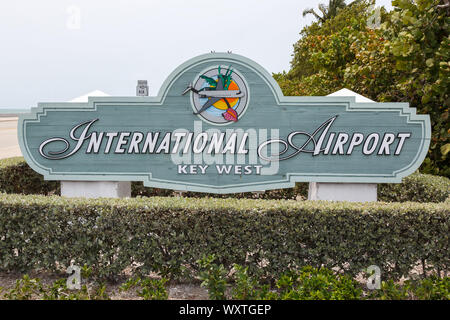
(353, 192)
(96, 189)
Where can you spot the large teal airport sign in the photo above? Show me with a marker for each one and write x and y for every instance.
(221, 124)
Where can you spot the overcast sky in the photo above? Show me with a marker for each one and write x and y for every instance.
(49, 52)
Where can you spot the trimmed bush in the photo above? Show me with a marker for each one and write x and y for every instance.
(17, 177)
(168, 235)
(416, 187)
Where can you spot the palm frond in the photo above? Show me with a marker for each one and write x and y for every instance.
(210, 81)
(311, 11)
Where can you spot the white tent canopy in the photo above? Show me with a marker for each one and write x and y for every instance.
(84, 98)
(349, 93)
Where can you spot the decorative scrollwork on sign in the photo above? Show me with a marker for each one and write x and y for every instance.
(58, 155)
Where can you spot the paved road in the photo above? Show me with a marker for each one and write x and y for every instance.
(9, 147)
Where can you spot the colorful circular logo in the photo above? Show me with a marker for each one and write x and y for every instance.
(219, 95)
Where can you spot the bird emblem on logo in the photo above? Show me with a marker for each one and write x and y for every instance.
(218, 95)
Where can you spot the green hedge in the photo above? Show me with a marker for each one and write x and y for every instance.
(168, 234)
(416, 187)
(17, 177)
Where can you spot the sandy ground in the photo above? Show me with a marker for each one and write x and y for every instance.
(9, 146)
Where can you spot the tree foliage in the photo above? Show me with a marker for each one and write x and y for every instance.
(396, 56)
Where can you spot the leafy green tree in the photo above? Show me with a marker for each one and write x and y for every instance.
(419, 45)
(403, 59)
